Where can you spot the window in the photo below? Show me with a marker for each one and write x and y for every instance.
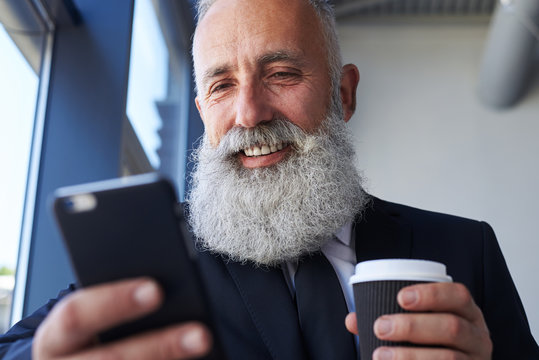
(147, 79)
(18, 93)
(158, 91)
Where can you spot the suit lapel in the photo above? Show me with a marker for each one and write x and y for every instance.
(272, 309)
(381, 234)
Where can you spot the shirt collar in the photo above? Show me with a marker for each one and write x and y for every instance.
(344, 234)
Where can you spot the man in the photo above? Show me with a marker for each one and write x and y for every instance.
(273, 185)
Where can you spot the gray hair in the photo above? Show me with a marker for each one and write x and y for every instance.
(326, 15)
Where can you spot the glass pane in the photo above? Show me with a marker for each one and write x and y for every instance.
(18, 93)
(148, 76)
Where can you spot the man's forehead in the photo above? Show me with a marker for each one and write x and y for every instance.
(255, 16)
(231, 25)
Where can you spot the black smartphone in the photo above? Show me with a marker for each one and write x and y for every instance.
(130, 227)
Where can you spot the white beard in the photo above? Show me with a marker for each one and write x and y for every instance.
(278, 213)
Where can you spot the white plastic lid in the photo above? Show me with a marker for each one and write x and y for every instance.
(400, 269)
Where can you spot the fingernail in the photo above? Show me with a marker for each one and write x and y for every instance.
(193, 340)
(383, 354)
(383, 326)
(408, 297)
(146, 294)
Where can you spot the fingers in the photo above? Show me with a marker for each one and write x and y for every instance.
(440, 297)
(443, 314)
(403, 353)
(74, 322)
(184, 341)
(70, 329)
(440, 329)
(351, 323)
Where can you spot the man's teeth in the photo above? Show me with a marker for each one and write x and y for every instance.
(263, 149)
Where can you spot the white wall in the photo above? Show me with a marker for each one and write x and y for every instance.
(424, 139)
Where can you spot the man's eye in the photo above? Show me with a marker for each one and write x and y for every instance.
(220, 87)
(282, 75)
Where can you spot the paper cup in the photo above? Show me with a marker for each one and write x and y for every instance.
(376, 284)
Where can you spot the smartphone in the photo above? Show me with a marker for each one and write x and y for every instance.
(131, 227)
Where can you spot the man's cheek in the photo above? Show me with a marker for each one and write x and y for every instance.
(213, 138)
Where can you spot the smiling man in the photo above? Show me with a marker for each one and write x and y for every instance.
(275, 191)
(273, 114)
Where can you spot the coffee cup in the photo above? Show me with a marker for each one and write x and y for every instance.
(376, 284)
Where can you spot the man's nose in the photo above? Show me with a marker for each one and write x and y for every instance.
(252, 107)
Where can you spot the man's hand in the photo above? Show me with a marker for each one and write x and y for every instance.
(448, 317)
(69, 332)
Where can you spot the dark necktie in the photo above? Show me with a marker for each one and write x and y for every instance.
(322, 309)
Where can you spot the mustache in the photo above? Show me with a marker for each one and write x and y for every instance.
(272, 132)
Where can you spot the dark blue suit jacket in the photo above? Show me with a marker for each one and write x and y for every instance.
(255, 315)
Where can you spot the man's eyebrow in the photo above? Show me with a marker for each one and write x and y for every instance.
(214, 72)
(277, 56)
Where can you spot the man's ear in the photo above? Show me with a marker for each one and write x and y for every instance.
(349, 81)
(199, 109)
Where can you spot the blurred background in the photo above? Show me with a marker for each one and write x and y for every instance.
(447, 118)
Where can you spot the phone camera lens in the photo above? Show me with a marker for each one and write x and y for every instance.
(80, 203)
